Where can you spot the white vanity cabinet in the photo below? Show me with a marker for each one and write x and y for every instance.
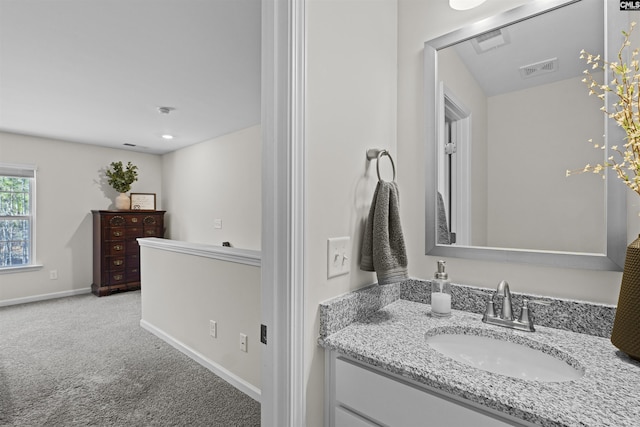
(358, 395)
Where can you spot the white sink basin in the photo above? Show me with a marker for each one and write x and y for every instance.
(504, 357)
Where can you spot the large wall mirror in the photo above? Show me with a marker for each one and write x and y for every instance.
(507, 114)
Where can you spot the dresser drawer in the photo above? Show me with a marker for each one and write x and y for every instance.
(116, 277)
(133, 274)
(150, 220)
(115, 263)
(134, 232)
(134, 220)
(113, 220)
(132, 246)
(114, 233)
(152, 232)
(133, 260)
(115, 248)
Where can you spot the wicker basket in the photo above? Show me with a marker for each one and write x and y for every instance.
(626, 326)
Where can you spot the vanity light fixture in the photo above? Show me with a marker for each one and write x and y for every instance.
(464, 4)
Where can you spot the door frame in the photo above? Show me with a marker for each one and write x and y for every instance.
(450, 106)
(283, 391)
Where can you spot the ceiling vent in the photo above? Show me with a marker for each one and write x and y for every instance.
(165, 110)
(490, 40)
(542, 67)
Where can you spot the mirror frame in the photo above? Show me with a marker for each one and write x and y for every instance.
(615, 191)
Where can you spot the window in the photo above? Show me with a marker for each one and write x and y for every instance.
(17, 215)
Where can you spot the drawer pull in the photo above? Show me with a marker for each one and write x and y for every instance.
(149, 220)
(118, 247)
(134, 219)
(118, 262)
(117, 234)
(150, 232)
(117, 220)
(118, 277)
(134, 270)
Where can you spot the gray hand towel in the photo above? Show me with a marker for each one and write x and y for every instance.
(383, 249)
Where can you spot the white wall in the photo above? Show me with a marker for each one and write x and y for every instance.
(532, 142)
(216, 179)
(350, 107)
(183, 292)
(419, 21)
(456, 76)
(70, 183)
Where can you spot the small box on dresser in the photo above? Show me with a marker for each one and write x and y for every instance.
(116, 254)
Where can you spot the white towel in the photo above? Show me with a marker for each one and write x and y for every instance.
(383, 249)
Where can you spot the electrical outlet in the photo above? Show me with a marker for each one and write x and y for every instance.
(53, 274)
(338, 253)
(243, 342)
(213, 328)
(217, 223)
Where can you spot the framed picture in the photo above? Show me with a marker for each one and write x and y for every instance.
(143, 201)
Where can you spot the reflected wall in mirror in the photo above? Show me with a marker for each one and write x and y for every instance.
(507, 115)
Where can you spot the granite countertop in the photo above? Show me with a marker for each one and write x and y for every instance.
(394, 339)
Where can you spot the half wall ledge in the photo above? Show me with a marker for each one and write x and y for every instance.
(223, 253)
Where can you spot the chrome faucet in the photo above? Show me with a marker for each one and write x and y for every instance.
(506, 319)
(507, 309)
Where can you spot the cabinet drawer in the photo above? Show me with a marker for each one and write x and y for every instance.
(346, 418)
(114, 220)
(133, 274)
(115, 248)
(121, 263)
(114, 233)
(132, 246)
(152, 232)
(392, 402)
(115, 263)
(134, 232)
(134, 220)
(116, 277)
(133, 261)
(151, 220)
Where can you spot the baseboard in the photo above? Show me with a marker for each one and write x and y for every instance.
(44, 297)
(242, 385)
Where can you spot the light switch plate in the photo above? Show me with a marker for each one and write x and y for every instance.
(338, 256)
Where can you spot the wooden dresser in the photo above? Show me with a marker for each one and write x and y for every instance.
(116, 254)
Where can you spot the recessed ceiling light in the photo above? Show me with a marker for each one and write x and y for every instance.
(464, 4)
(167, 136)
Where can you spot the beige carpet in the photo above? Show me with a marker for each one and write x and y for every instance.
(85, 361)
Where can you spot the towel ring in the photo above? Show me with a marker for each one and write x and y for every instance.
(377, 154)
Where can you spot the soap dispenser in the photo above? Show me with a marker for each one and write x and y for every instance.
(441, 293)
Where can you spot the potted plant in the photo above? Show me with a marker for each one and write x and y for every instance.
(625, 161)
(121, 179)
